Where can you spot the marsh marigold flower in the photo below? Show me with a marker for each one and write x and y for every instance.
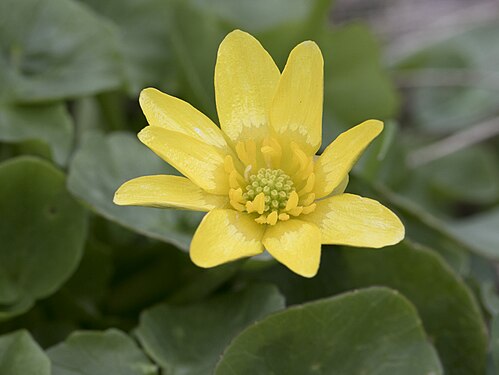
(258, 177)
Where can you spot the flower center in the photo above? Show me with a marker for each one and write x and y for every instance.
(270, 195)
(274, 184)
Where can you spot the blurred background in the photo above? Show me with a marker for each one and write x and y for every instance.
(70, 75)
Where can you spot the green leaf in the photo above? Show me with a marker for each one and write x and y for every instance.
(417, 273)
(372, 331)
(49, 123)
(99, 353)
(356, 86)
(21, 355)
(189, 340)
(144, 39)
(103, 163)
(55, 49)
(494, 342)
(43, 231)
(454, 81)
(257, 15)
(480, 232)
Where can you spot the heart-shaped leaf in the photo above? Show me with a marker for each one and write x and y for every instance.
(99, 353)
(43, 232)
(371, 331)
(189, 340)
(103, 163)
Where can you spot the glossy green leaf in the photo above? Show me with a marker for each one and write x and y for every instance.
(103, 163)
(454, 81)
(417, 273)
(144, 39)
(99, 353)
(450, 176)
(21, 355)
(356, 87)
(48, 123)
(480, 232)
(66, 51)
(43, 231)
(494, 349)
(189, 340)
(257, 15)
(371, 331)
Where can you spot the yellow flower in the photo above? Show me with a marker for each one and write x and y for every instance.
(257, 176)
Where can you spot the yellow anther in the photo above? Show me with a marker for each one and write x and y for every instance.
(283, 217)
(247, 171)
(238, 206)
(235, 180)
(267, 150)
(249, 207)
(292, 201)
(309, 209)
(310, 167)
(236, 195)
(272, 218)
(241, 152)
(275, 144)
(300, 156)
(228, 164)
(296, 211)
(261, 219)
(308, 200)
(270, 156)
(251, 152)
(309, 186)
(259, 203)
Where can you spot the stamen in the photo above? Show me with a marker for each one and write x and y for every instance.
(262, 219)
(309, 186)
(292, 201)
(238, 206)
(259, 203)
(241, 153)
(272, 218)
(309, 209)
(296, 211)
(247, 171)
(300, 156)
(235, 180)
(283, 217)
(309, 199)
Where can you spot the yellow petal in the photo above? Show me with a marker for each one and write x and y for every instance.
(296, 112)
(296, 244)
(166, 191)
(246, 78)
(174, 114)
(348, 219)
(201, 163)
(340, 189)
(338, 158)
(225, 235)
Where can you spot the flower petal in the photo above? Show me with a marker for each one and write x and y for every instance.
(296, 244)
(340, 189)
(340, 156)
(201, 163)
(225, 235)
(174, 114)
(348, 219)
(296, 113)
(166, 191)
(246, 78)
